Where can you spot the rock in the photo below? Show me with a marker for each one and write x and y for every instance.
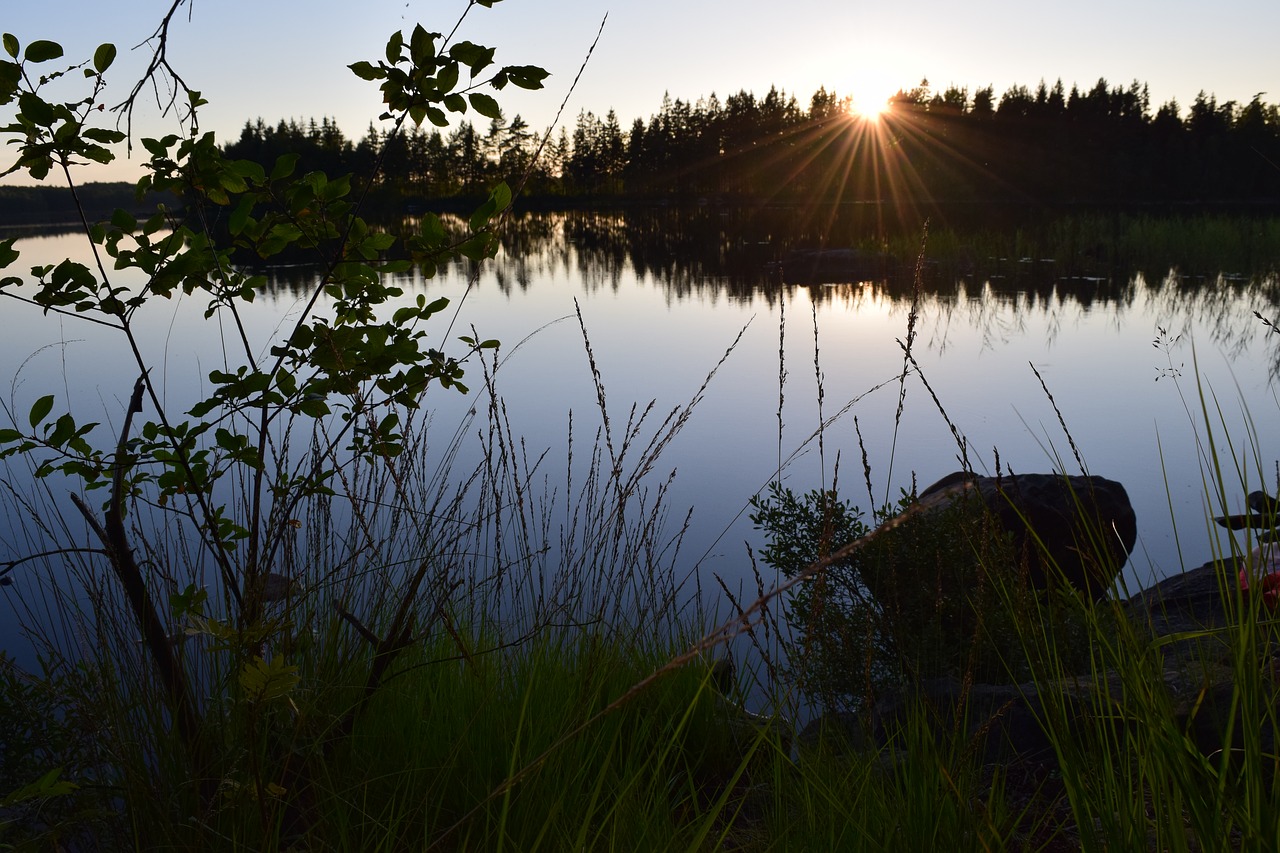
(744, 727)
(1186, 602)
(1000, 722)
(1192, 611)
(1083, 525)
(1003, 724)
(277, 587)
(842, 731)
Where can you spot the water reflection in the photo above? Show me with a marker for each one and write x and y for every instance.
(664, 292)
(1058, 291)
(709, 253)
(708, 256)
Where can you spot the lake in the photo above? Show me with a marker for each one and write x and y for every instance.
(1124, 341)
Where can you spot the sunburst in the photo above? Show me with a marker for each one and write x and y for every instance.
(871, 109)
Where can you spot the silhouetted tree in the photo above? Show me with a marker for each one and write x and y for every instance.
(1100, 144)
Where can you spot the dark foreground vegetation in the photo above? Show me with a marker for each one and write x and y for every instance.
(283, 619)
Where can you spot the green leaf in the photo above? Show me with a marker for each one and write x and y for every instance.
(97, 153)
(432, 229)
(498, 201)
(10, 78)
(40, 410)
(240, 216)
(204, 407)
(484, 104)
(124, 220)
(101, 134)
(11, 45)
(474, 56)
(36, 109)
(249, 170)
(367, 70)
(42, 51)
(422, 45)
(284, 166)
(394, 46)
(158, 147)
(447, 77)
(479, 247)
(8, 254)
(229, 441)
(190, 601)
(313, 408)
(526, 76)
(64, 429)
(480, 218)
(263, 681)
(103, 57)
(501, 196)
(43, 788)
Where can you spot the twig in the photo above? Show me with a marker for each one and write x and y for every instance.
(159, 61)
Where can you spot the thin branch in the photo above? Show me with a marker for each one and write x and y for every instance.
(52, 310)
(10, 565)
(159, 62)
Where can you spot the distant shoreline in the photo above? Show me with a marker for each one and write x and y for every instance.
(50, 208)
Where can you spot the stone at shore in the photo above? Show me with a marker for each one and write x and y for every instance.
(1182, 615)
(1078, 529)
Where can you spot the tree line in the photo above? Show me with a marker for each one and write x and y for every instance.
(1104, 144)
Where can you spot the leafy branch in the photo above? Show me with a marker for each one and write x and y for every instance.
(350, 361)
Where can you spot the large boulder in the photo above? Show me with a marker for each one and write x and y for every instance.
(1076, 529)
(1189, 615)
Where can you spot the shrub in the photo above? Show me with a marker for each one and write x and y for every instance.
(924, 594)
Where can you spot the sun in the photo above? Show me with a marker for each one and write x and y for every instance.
(870, 91)
(871, 104)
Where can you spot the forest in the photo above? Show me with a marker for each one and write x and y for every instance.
(1101, 145)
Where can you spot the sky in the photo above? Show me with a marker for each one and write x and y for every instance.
(275, 59)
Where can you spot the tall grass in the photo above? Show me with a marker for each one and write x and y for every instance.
(511, 718)
(1157, 740)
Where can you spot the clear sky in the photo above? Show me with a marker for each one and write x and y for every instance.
(287, 58)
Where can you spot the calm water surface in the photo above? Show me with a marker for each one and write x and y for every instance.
(1121, 352)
